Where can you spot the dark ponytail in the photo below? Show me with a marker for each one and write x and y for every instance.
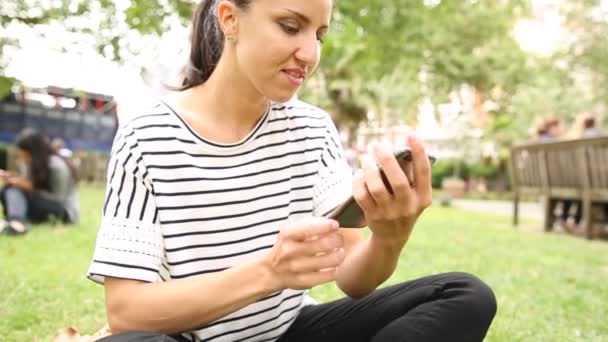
(206, 44)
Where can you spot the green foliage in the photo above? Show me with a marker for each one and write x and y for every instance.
(377, 53)
(474, 45)
(37, 12)
(588, 22)
(548, 91)
(442, 169)
(6, 83)
(483, 169)
(447, 168)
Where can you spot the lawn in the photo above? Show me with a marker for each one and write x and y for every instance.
(550, 287)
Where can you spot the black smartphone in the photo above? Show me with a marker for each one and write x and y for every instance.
(350, 215)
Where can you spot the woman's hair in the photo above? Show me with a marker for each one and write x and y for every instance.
(552, 121)
(541, 128)
(38, 146)
(589, 122)
(207, 42)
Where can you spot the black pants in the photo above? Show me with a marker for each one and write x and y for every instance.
(578, 214)
(21, 206)
(446, 307)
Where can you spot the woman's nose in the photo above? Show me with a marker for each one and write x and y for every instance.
(308, 51)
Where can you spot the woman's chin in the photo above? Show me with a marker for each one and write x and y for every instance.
(281, 96)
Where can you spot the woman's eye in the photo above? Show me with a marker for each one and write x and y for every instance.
(291, 29)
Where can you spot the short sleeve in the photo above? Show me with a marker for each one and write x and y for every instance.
(129, 242)
(334, 179)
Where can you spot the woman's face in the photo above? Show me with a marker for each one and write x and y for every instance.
(279, 43)
(24, 156)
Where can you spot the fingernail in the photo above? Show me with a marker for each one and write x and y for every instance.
(413, 139)
(335, 224)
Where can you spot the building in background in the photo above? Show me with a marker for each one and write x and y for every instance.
(84, 120)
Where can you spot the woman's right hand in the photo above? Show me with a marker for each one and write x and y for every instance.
(307, 253)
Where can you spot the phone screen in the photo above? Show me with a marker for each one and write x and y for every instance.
(350, 215)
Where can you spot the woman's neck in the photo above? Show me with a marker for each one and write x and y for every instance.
(225, 108)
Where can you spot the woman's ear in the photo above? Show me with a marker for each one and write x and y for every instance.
(228, 19)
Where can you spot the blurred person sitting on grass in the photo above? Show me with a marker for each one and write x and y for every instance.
(214, 223)
(43, 189)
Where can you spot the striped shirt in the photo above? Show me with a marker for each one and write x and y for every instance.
(178, 205)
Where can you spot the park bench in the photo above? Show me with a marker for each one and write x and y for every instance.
(561, 170)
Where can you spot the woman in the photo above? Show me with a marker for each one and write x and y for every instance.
(44, 188)
(213, 221)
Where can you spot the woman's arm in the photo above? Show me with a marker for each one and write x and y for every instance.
(185, 304)
(368, 263)
(19, 182)
(391, 217)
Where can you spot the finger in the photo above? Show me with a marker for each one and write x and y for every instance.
(319, 262)
(305, 229)
(422, 167)
(394, 173)
(373, 182)
(324, 243)
(360, 194)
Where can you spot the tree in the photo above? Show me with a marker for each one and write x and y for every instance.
(100, 22)
(378, 52)
(587, 22)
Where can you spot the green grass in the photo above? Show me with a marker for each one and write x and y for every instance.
(550, 287)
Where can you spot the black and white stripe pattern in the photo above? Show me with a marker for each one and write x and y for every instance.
(178, 205)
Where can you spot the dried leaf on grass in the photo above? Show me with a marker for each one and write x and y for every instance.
(71, 334)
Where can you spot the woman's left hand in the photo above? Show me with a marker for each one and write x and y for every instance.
(391, 216)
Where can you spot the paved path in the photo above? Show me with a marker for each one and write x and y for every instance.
(527, 210)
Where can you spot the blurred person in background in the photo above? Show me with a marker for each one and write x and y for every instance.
(584, 125)
(539, 131)
(554, 129)
(43, 189)
(590, 128)
(548, 129)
